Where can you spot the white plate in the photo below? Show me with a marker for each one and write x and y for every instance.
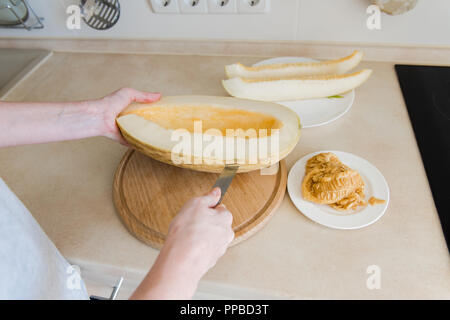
(314, 112)
(375, 185)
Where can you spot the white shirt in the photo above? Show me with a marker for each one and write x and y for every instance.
(30, 265)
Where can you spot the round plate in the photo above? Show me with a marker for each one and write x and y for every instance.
(314, 112)
(375, 185)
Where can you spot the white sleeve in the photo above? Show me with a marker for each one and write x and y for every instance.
(30, 265)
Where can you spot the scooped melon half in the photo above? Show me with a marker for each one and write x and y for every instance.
(205, 133)
(289, 70)
(306, 87)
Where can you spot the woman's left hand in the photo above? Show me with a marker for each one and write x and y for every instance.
(111, 105)
(39, 122)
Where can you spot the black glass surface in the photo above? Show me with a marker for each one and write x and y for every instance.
(426, 91)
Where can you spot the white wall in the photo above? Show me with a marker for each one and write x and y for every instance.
(302, 20)
(345, 21)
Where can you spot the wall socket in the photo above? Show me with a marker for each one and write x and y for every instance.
(253, 6)
(222, 6)
(193, 6)
(210, 6)
(165, 6)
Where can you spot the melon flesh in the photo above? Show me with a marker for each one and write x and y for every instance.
(289, 70)
(155, 129)
(184, 117)
(307, 87)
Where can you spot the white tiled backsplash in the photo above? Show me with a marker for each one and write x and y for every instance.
(294, 20)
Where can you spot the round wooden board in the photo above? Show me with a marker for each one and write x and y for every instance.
(148, 194)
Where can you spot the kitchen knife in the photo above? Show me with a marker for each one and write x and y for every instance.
(224, 180)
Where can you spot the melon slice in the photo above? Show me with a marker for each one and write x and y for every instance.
(204, 133)
(289, 70)
(307, 87)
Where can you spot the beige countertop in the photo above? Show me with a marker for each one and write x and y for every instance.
(15, 64)
(68, 188)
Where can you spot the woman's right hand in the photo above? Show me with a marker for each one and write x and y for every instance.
(201, 231)
(198, 236)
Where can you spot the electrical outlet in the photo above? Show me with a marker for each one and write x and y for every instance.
(210, 6)
(193, 6)
(253, 6)
(222, 6)
(165, 6)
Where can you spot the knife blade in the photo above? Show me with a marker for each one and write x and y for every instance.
(224, 180)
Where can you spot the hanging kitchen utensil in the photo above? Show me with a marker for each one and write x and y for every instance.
(18, 14)
(12, 12)
(100, 14)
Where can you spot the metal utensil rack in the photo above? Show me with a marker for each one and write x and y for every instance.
(33, 21)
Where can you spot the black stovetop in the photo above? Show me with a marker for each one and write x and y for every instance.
(426, 90)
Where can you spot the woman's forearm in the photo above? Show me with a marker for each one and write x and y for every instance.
(171, 277)
(27, 123)
(198, 236)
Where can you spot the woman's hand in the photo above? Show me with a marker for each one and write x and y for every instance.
(39, 122)
(201, 231)
(111, 105)
(198, 236)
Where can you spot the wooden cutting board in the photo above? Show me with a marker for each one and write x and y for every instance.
(148, 194)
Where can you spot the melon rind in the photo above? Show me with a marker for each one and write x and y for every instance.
(289, 70)
(307, 87)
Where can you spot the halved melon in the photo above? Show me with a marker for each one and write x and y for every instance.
(206, 132)
(307, 87)
(289, 70)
